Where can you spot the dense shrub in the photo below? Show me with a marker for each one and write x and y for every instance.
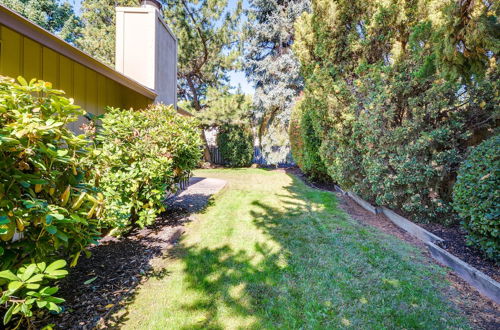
(236, 145)
(59, 191)
(476, 196)
(295, 135)
(305, 142)
(393, 110)
(45, 201)
(139, 157)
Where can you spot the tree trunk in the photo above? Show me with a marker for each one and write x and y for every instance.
(206, 153)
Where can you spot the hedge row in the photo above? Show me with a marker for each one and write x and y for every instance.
(236, 145)
(60, 192)
(393, 101)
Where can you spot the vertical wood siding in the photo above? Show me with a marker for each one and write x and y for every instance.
(22, 56)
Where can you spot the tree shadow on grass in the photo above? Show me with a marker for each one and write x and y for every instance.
(328, 272)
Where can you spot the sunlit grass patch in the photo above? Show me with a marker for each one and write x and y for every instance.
(273, 253)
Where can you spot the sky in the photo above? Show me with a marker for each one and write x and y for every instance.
(237, 78)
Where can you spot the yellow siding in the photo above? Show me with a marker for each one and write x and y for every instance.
(50, 67)
(21, 56)
(66, 75)
(32, 59)
(10, 56)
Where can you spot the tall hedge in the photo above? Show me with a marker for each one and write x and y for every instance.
(235, 143)
(476, 196)
(397, 95)
(305, 142)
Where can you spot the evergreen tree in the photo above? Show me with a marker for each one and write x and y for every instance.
(54, 16)
(225, 108)
(271, 65)
(208, 45)
(395, 93)
(99, 28)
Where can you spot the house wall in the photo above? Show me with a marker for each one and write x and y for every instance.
(29, 51)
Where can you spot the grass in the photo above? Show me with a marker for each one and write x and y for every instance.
(274, 253)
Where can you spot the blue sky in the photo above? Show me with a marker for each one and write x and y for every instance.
(237, 78)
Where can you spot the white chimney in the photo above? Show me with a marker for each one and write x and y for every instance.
(146, 49)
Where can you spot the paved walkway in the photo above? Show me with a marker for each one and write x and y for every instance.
(197, 195)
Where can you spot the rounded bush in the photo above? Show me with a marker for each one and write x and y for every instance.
(236, 145)
(476, 196)
(141, 156)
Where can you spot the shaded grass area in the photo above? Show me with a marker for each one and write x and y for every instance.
(274, 253)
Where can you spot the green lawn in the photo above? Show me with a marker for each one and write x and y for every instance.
(273, 253)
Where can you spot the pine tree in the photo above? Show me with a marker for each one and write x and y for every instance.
(225, 108)
(271, 65)
(54, 16)
(208, 45)
(99, 28)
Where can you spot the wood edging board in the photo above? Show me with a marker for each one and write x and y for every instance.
(410, 227)
(482, 282)
(364, 204)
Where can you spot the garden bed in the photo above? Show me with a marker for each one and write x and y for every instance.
(97, 285)
(455, 243)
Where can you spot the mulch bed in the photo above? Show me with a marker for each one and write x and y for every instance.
(96, 286)
(455, 243)
(481, 311)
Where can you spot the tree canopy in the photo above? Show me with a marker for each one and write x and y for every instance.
(271, 65)
(224, 108)
(53, 15)
(208, 36)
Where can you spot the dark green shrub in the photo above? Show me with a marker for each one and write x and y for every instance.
(236, 145)
(476, 196)
(393, 112)
(295, 134)
(45, 202)
(305, 142)
(140, 156)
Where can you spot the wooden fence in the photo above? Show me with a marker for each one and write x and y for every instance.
(179, 187)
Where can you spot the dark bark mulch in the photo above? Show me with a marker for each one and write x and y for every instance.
(97, 285)
(455, 243)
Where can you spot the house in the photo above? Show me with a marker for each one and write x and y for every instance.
(146, 60)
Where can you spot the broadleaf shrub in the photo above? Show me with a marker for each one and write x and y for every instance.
(31, 283)
(476, 196)
(44, 195)
(60, 191)
(139, 157)
(236, 145)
